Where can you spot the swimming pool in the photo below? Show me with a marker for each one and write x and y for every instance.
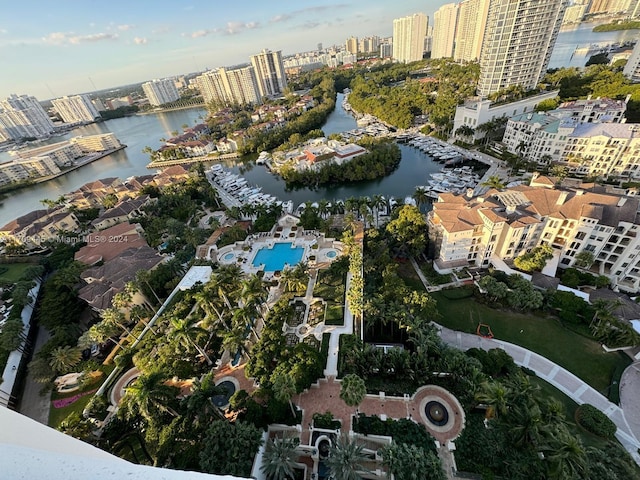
(277, 257)
(332, 254)
(229, 256)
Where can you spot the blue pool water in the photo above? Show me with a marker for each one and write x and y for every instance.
(331, 254)
(229, 256)
(275, 258)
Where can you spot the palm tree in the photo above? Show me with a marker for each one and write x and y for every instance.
(284, 388)
(566, 457)
(346, 460)
(149, 395)
(199, 403)
(353, 390)
(185, 331)
(420, 196)
(494, 181)
(295, 279)
(495, 396)
(63, 359)
(279, 459)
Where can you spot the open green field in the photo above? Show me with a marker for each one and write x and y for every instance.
(543, 335)
(11, 272)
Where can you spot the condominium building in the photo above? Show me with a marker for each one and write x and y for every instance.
(445, 21)
(23, 117)
(575, 13)
(24, 168)
(269, 72)
(369, 44)
(230, 86)
(75, 109)
(543, 137)
(632, 68)
(518, 41)
(161, 91)
(604, 149)
(500, 226)
(96, 143)
(613, 7)
(351, 45)
(472, 20)
(409, 36)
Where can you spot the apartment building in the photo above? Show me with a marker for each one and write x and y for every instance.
(96, 143)
(542, 137)
(604, 149)
(75, 109)
(518, 41)
(230, 86)
(445, 21)
(472, 21)
(351, 45)
(269, 72)
(409, 37)
(161, 91)
(23, 117)
(471, 230)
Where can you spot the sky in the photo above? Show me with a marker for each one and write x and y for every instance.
(51, 48)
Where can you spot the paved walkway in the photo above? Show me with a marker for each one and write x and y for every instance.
(628, 428)
(334, 342)
(557, 376)
(32, 403)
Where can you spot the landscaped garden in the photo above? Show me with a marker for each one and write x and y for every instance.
(542, 334)
(330, 286)
(12, 272)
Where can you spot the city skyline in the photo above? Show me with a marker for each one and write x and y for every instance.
(52, 50)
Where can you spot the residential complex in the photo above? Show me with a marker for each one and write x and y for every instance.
(409, 37)
(614, 7)
(445, 20)
(518, 41)
(351, 45)
(503, 225)
(48, 159)
(23, 117)
(563, 135)
(224, 86)
(269, 72)
(75, 109)
(161, 91)
(576, 12)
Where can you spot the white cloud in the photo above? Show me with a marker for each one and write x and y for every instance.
(125, 27)
(140, 40)
(4, 31)
(62, 38)
(280, 18)
(233, 28)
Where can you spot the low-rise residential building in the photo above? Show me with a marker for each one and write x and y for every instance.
(477, 112)
(604, 149)
(39, 226)
(315, 152)
(126, 210)
(471, 230)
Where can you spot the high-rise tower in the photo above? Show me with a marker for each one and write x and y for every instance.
(519, 38)
(23, 117)
(408, 37)
(445, 21)
(269, 72)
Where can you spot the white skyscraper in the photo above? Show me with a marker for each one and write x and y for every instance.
(519, 38)
(269, 72)
(230, 86)
(161, 91)
(472, 20)
(78, 108)
(445, 21)
(23, 117)
(408, 37)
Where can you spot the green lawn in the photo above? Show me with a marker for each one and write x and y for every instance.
(547, 390)
(544, 335)
(12, 272)
(331, 290)
(57, 415)
(410, 277)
